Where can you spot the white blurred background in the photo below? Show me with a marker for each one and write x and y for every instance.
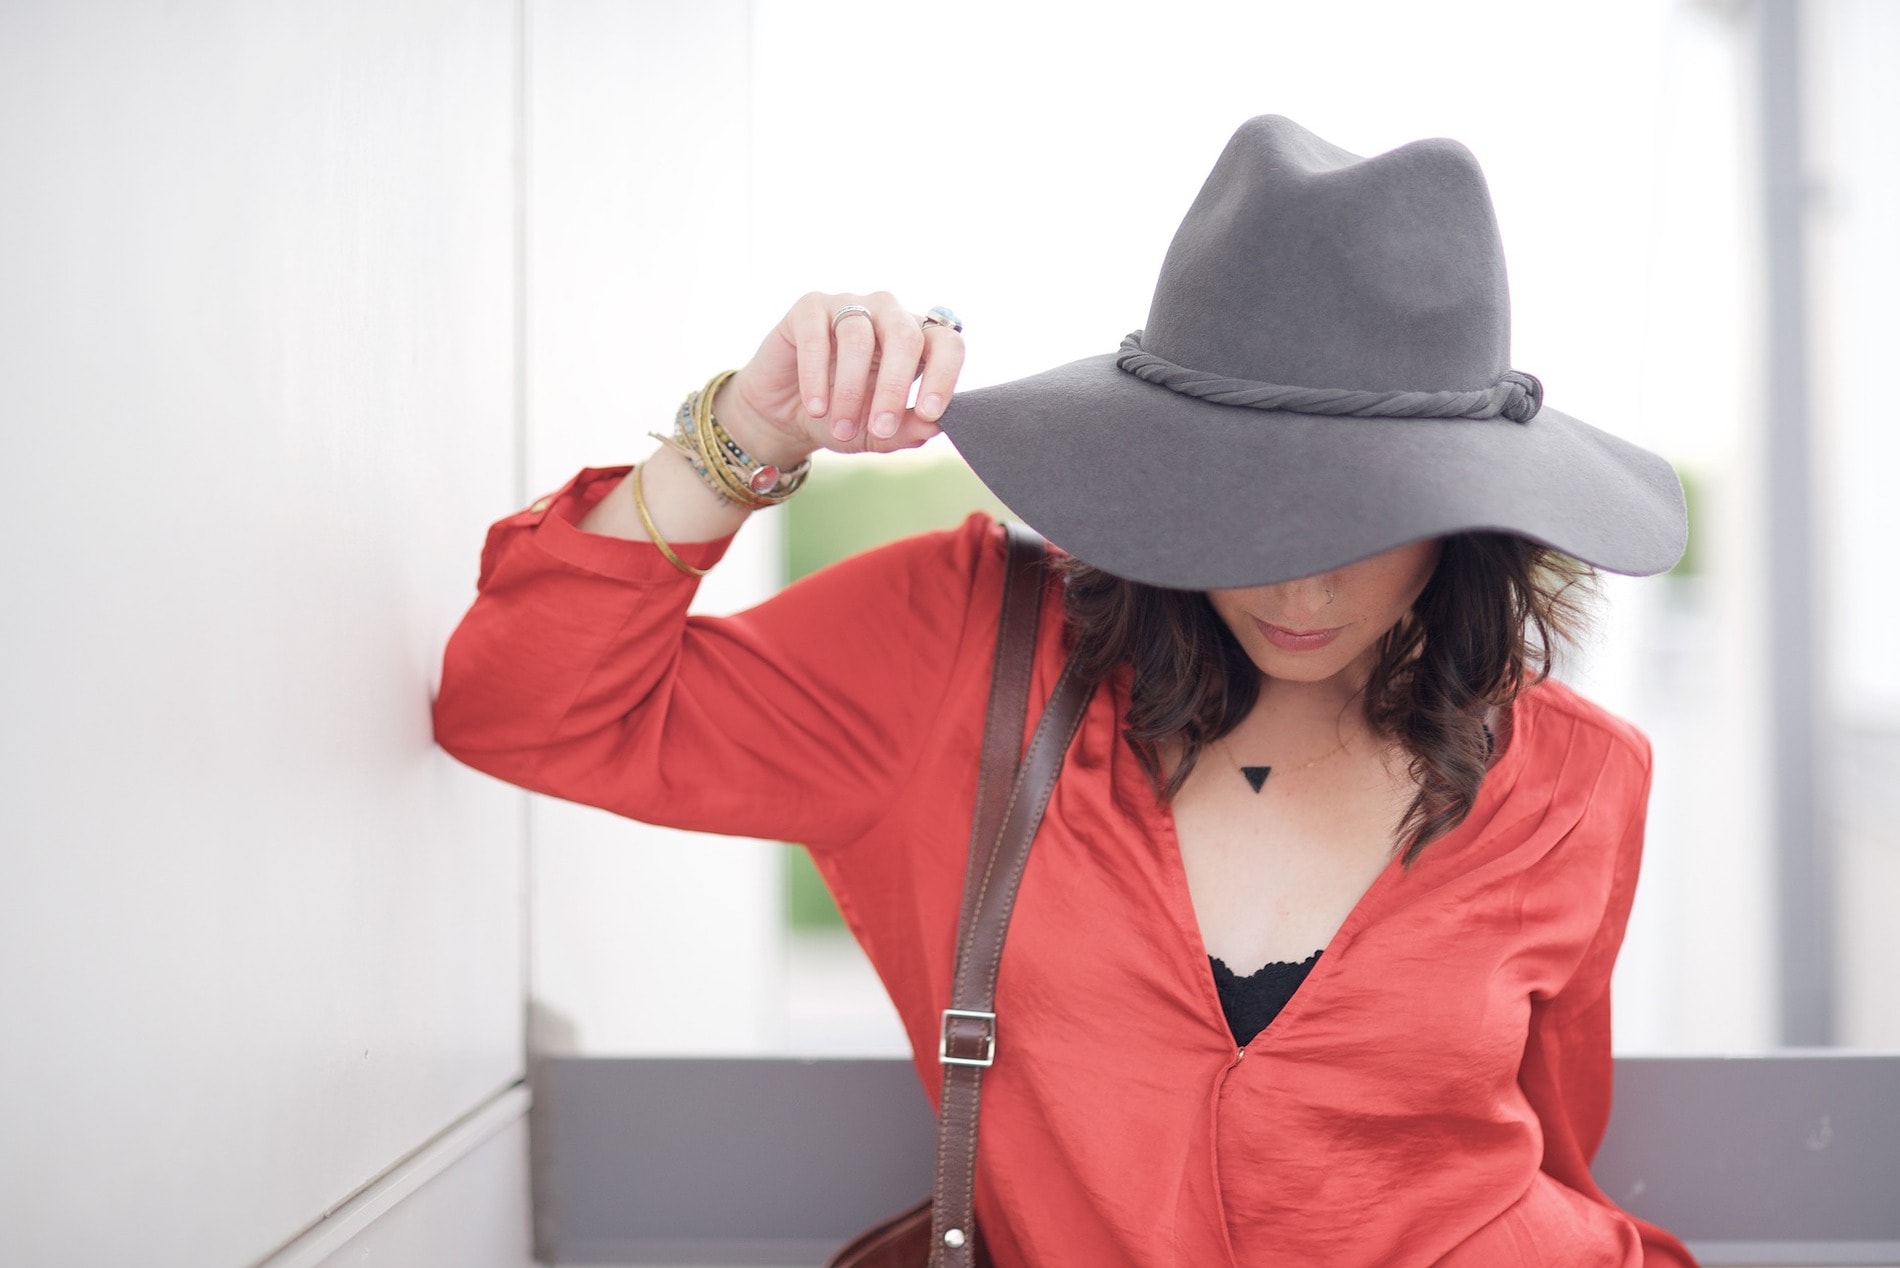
(294, 299)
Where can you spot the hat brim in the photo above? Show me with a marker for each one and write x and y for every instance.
(1171, 490)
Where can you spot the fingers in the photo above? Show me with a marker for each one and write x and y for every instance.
(811, 337)
(943, 361)
(855, 338)
(856, 372)
(900, 351)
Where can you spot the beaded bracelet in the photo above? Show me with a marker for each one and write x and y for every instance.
(681, 442)
(718, 460)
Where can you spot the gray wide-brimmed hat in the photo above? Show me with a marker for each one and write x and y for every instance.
(1325, 374)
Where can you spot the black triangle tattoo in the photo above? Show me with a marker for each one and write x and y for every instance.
(1257, 775)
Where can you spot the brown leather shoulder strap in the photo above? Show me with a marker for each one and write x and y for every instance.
(1008, 812)
(1010, 672)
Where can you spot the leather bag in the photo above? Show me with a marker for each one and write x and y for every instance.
(1011, 795)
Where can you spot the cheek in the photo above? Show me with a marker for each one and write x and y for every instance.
(1232, 614)
(1392, 582)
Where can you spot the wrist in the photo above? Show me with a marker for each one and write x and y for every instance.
(728, 467)
(760, 439)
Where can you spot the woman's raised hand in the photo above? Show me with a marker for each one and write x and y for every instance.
(844, 383)
(835, 373)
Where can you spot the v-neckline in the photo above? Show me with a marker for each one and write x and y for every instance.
(1179, 899)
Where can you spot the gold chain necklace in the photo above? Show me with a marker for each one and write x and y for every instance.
(1256, 776)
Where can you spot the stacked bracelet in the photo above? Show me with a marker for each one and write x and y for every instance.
(718, 459)
(681, 443)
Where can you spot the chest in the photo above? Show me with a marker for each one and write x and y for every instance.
(1272, 873)
(1119, 1107)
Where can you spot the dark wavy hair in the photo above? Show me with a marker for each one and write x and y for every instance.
(1487, 624)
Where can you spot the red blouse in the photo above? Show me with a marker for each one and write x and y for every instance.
(1431, 1095)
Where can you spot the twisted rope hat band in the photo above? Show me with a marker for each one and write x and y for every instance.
(1516, 396)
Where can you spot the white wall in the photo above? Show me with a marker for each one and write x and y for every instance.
(460, 1202)
(257, 385)
(473, 1216)
(640, 288)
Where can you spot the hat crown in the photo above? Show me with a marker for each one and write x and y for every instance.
(1301, 263)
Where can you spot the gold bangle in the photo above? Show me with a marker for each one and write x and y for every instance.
(706, 440)
(738, 475)
(732, 475)
(789, 480)
(646, 521)
(683, 440)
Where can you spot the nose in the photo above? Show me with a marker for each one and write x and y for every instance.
(1302, 604)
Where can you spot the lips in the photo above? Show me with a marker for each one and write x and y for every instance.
(1297, 640)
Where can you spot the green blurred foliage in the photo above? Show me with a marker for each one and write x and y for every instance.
(851, 505)
(1689, 564)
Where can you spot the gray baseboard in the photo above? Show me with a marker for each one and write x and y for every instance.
(1791, 1159)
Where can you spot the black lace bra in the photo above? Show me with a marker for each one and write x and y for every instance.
(1252, 1001)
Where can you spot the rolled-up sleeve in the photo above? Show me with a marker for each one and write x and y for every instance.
(579, 673)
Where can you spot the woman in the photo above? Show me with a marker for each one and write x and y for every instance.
(1310, 964)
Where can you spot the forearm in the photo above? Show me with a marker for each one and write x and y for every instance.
(557, 608)
(578, 673)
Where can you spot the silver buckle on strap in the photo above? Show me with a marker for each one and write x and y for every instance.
(986, 1038)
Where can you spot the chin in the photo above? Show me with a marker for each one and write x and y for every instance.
(1296, 668)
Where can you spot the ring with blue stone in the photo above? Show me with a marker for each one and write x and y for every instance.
(941, 316)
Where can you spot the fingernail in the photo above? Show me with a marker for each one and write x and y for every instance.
(842, 428)
(815, 407)
(931, 406)
(884, 425)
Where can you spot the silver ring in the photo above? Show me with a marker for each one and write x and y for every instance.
(849, 310)
(941, 316)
